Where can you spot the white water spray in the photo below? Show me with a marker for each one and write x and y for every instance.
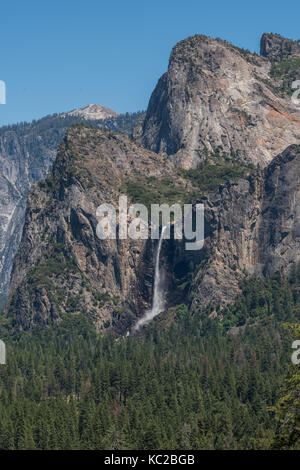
(158, 303)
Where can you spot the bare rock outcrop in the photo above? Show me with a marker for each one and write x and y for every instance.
(217, 98)
(277, 48)
(61, 265)
(27, 151)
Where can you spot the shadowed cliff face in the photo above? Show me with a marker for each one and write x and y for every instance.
(218, 98)
(277, 48)
(252, 226)
(20, 166)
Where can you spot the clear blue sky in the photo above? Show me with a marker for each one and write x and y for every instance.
(60, 55)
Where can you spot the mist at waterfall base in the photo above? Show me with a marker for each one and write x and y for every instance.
(159, 294)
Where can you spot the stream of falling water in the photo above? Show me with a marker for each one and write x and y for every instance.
(158, 302)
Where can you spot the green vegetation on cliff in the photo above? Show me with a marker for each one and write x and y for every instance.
(189, 185)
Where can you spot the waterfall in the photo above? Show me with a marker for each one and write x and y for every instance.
(158, 302)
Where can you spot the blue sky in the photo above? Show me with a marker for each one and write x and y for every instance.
(60, 55)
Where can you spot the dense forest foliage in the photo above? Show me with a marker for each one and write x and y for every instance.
(287, 410)
(189, 383)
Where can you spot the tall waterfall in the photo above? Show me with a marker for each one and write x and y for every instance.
(158, 302)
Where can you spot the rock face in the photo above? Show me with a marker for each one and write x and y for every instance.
(284, 55)
(27, 151)
(24, 159)
(251, 226)
(61, 265)
(277, 48)
(94, 112)
(215, 101)
(216, 98)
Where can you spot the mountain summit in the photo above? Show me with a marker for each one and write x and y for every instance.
(217, 98)
(277, 48)
(93, 112)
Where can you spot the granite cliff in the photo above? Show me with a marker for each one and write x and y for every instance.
(277, 48)
(27, 151)
(217, 98)
(252, 225)
(61, 265)
(220, 129)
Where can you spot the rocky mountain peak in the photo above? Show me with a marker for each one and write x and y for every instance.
(93, 112)
(217, 98)
(277, 48)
